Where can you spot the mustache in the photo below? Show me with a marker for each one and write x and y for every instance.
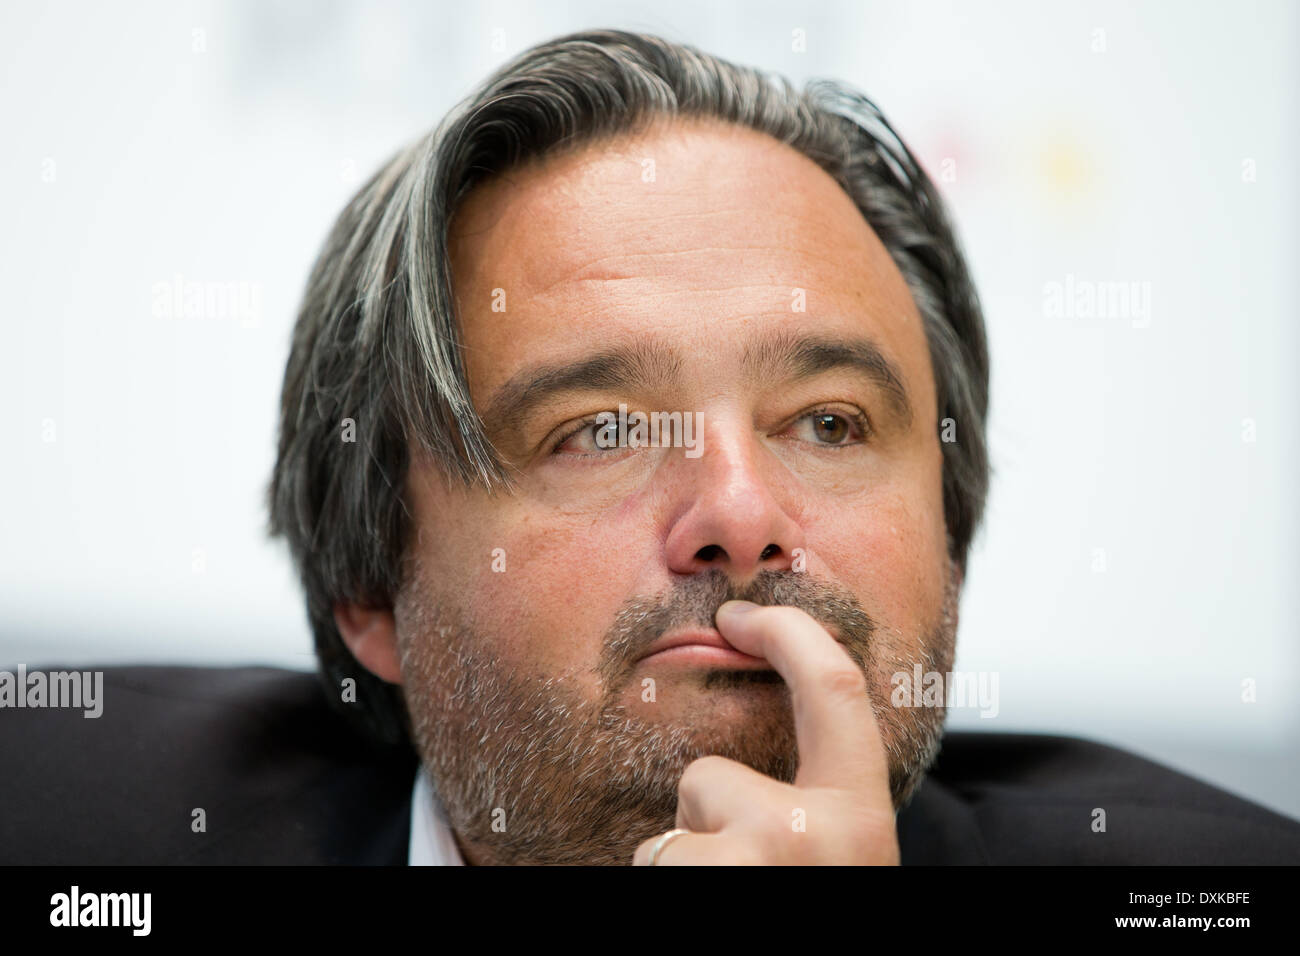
(694, 602)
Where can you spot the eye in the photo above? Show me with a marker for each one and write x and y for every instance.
(832, 428)
(593, 436)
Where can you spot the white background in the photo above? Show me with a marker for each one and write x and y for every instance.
(137, 150)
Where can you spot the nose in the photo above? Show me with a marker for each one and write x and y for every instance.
(732, 519)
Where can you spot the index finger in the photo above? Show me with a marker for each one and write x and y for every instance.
(839, 741)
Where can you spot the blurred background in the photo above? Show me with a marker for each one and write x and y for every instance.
(1118, 173)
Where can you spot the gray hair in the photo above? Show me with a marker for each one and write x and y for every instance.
(376, 346)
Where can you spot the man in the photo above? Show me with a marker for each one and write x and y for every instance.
(632, 444)
(616, 223)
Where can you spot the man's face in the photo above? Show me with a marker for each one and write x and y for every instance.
(708, 270)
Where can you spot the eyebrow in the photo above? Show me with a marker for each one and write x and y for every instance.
(641, 363)
(775, 356)
(788, 355)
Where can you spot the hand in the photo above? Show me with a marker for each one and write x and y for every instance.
(838, 810)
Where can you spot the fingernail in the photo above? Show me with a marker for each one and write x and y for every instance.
(739, 607)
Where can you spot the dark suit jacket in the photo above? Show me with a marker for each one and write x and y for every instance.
(281, 778)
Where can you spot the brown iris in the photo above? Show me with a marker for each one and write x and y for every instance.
(832, 428)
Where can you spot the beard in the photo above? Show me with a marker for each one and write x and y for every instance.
(530, 771)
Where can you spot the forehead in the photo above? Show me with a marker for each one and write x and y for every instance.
(693, 232)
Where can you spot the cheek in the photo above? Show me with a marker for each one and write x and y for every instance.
(541, 587)
(890, 550)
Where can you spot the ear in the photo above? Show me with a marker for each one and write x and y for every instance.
(371, 636)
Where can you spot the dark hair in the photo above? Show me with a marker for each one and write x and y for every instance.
(376, 339)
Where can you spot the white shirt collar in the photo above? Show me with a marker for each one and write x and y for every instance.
(432, 843)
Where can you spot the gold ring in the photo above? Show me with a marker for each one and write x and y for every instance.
(663, 842)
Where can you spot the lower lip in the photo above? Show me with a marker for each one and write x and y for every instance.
(706, 655)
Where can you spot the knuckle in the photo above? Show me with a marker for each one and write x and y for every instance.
(844, 681)
(698, 774)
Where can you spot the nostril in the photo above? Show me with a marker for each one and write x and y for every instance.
(709, 552)
(770, 551)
